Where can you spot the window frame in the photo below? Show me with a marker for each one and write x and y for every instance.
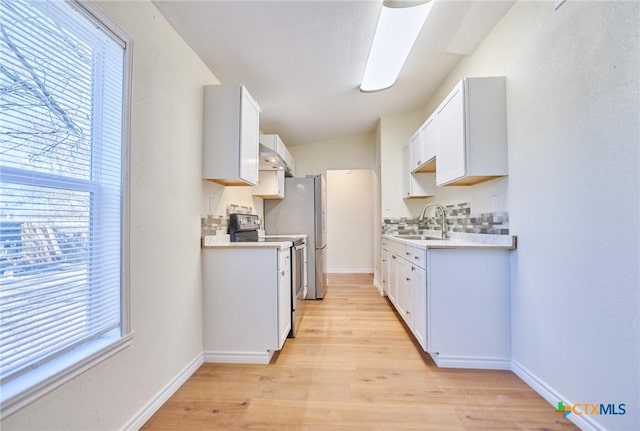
(55, 373)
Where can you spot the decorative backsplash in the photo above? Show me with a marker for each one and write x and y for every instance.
(458, 219)
(211, 224)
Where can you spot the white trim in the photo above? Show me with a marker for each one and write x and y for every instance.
(472, 362)
(56, 376)
(584, 422)
(350, 271)
(93, 12)
(238, 357)
(378, 286)
(164, 394)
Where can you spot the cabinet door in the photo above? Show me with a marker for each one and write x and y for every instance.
(451, 157)
(419, 184)
(385, 271)
(406, 171)
(419, 308)
(284, 296)
(429, 141)
(403, 303)
(270, 185)
(279, 184)
(416, 151)
(393, 278)
(249, 138)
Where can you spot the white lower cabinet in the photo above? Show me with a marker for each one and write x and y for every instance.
(419, 300)
(403, 303)
(247, 309)
(284, 292)
(393, 278)
(385, 272)
(468, 318)
(455, 301)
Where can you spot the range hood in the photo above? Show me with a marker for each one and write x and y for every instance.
(275, 156)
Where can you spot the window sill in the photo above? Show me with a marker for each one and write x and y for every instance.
(27, 388)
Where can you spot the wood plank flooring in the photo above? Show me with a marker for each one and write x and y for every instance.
(353, 366)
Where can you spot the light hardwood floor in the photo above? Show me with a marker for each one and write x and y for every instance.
(353, 366)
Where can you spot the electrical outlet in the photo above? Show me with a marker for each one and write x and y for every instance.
(558, 3)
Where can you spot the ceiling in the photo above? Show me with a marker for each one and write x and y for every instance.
(303, 60)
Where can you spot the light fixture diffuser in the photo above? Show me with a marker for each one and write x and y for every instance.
(398, 27)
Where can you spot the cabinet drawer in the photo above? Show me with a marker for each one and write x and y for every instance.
(394, 247)
(416, 256)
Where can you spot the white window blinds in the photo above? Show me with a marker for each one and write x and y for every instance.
(61, 140)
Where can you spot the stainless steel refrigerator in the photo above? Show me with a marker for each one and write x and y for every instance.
(302, 211)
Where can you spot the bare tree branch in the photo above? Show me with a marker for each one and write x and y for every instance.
(39, 89)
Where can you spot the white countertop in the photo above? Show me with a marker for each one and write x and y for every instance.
(505, 242)
(223, 241)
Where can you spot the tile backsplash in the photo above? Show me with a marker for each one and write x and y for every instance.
(212, 224)
(458, 218)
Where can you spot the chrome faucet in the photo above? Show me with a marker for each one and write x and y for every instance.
(443, 219)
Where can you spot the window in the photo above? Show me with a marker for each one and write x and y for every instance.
(63, 251)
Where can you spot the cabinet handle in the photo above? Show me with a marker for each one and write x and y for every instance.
(416, 257)
(413, 268)
(282, 273)
(408, 312)
(408, 279)
(407, 253)
(393, 257)
(419, 162)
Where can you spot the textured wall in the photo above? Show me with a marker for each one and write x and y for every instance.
(573, 195)
(166, 202)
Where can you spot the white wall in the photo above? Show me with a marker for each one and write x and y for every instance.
(350, 207)
(572, 195)
(574, 120)
(166, 202)
(350, 152)
(394, 133)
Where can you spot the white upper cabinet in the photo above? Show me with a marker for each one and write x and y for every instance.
(418, 185)
(231, 132)
(415, 144)
(471, 132)
(423, 147)
(275, 155)
(270, 185)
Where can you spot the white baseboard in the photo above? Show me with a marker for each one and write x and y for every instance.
(350, 271)
(238, 357)
(472, 362)
(165, 393)
(584, 422)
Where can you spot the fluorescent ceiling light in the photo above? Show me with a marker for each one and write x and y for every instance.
(397, 30)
